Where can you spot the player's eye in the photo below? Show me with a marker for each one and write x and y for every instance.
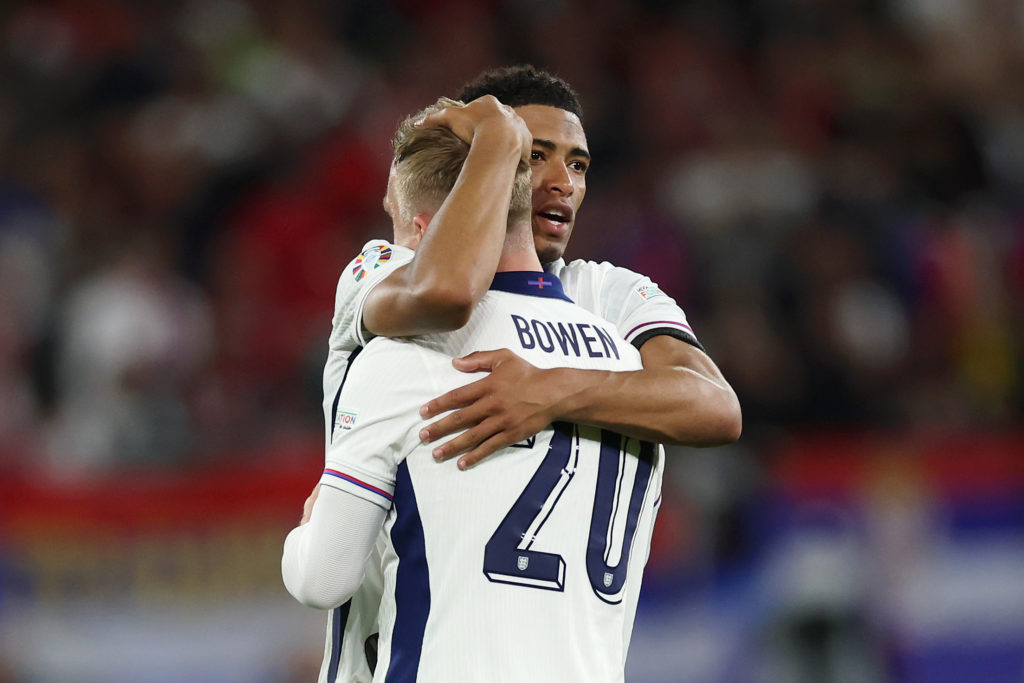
(579, 166)
(536, 155)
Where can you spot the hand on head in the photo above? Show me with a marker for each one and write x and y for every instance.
(466, 120)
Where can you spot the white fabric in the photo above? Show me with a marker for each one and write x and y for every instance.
(377, 260)
(321, 567)
(479, 628)
(348, 335)
(632, 302)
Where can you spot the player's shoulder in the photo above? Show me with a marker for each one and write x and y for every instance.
(388, 366)
(375, 255)
(606, 281)
(595, 270)
(377, 259)
(420, 352)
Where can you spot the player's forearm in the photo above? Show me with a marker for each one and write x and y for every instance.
(670, 405)
(456, 260)
(323, 561)
(303, 577)
(459, 252)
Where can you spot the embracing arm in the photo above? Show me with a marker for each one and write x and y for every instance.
(456, 259)
(679, 397)
(324, 557)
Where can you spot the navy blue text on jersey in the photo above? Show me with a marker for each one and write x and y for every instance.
(571, 339)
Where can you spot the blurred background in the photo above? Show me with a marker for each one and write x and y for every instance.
(832, 189)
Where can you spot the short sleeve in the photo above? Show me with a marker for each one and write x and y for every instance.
(632, 302)
(378, 420)
(377, 260)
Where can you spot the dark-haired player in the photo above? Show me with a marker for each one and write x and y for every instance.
(679, 397)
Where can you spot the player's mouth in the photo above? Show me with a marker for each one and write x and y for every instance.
(554, 219)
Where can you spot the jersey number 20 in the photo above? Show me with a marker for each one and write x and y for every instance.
(507, 556)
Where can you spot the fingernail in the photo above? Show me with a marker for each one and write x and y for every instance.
(423, 411)
(424, 435)
(437, 453)
(463, 464)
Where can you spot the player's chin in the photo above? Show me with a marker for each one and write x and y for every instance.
(548, 250)
(550, 247)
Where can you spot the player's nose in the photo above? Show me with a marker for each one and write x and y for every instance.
(558, 179)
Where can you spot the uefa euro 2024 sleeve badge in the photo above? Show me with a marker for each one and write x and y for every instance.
(370, 259)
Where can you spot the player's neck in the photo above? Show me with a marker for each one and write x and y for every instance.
(519, 252)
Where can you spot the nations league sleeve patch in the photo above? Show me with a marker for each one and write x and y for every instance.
(370, 259)
(649, 292)
(344, 420)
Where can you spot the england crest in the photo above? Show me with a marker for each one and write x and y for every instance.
(522, 563)
(608, 579)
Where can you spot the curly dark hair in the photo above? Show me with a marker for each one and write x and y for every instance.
(521, 85)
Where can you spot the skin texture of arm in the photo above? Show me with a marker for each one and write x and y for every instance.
(680, 398)
(458, 253)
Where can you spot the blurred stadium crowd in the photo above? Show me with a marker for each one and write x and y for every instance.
(832, 189)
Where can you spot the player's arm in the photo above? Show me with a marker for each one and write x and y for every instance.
(679, 397)
(324, 557)
(459, 252)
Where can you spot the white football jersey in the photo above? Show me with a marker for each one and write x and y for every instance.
(377, 260)
(528, 566)
(633, 303)
(347, 653)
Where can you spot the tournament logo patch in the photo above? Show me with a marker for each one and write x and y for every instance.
(344, 420)
(370, 259)
(649, 291)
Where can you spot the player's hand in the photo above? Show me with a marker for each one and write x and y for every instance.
(512, 403)
(307, 507)
(486, 111)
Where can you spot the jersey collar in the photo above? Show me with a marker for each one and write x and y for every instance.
(529, 283)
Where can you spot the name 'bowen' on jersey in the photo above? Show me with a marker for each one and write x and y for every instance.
(570, 338)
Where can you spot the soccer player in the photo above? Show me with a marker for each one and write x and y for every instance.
(678, 397)
(434, 292)
(431, 293)
(526, 568)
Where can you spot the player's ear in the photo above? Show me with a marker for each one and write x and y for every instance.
(420, 222)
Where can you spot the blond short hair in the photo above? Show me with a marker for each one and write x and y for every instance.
(428, 161)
